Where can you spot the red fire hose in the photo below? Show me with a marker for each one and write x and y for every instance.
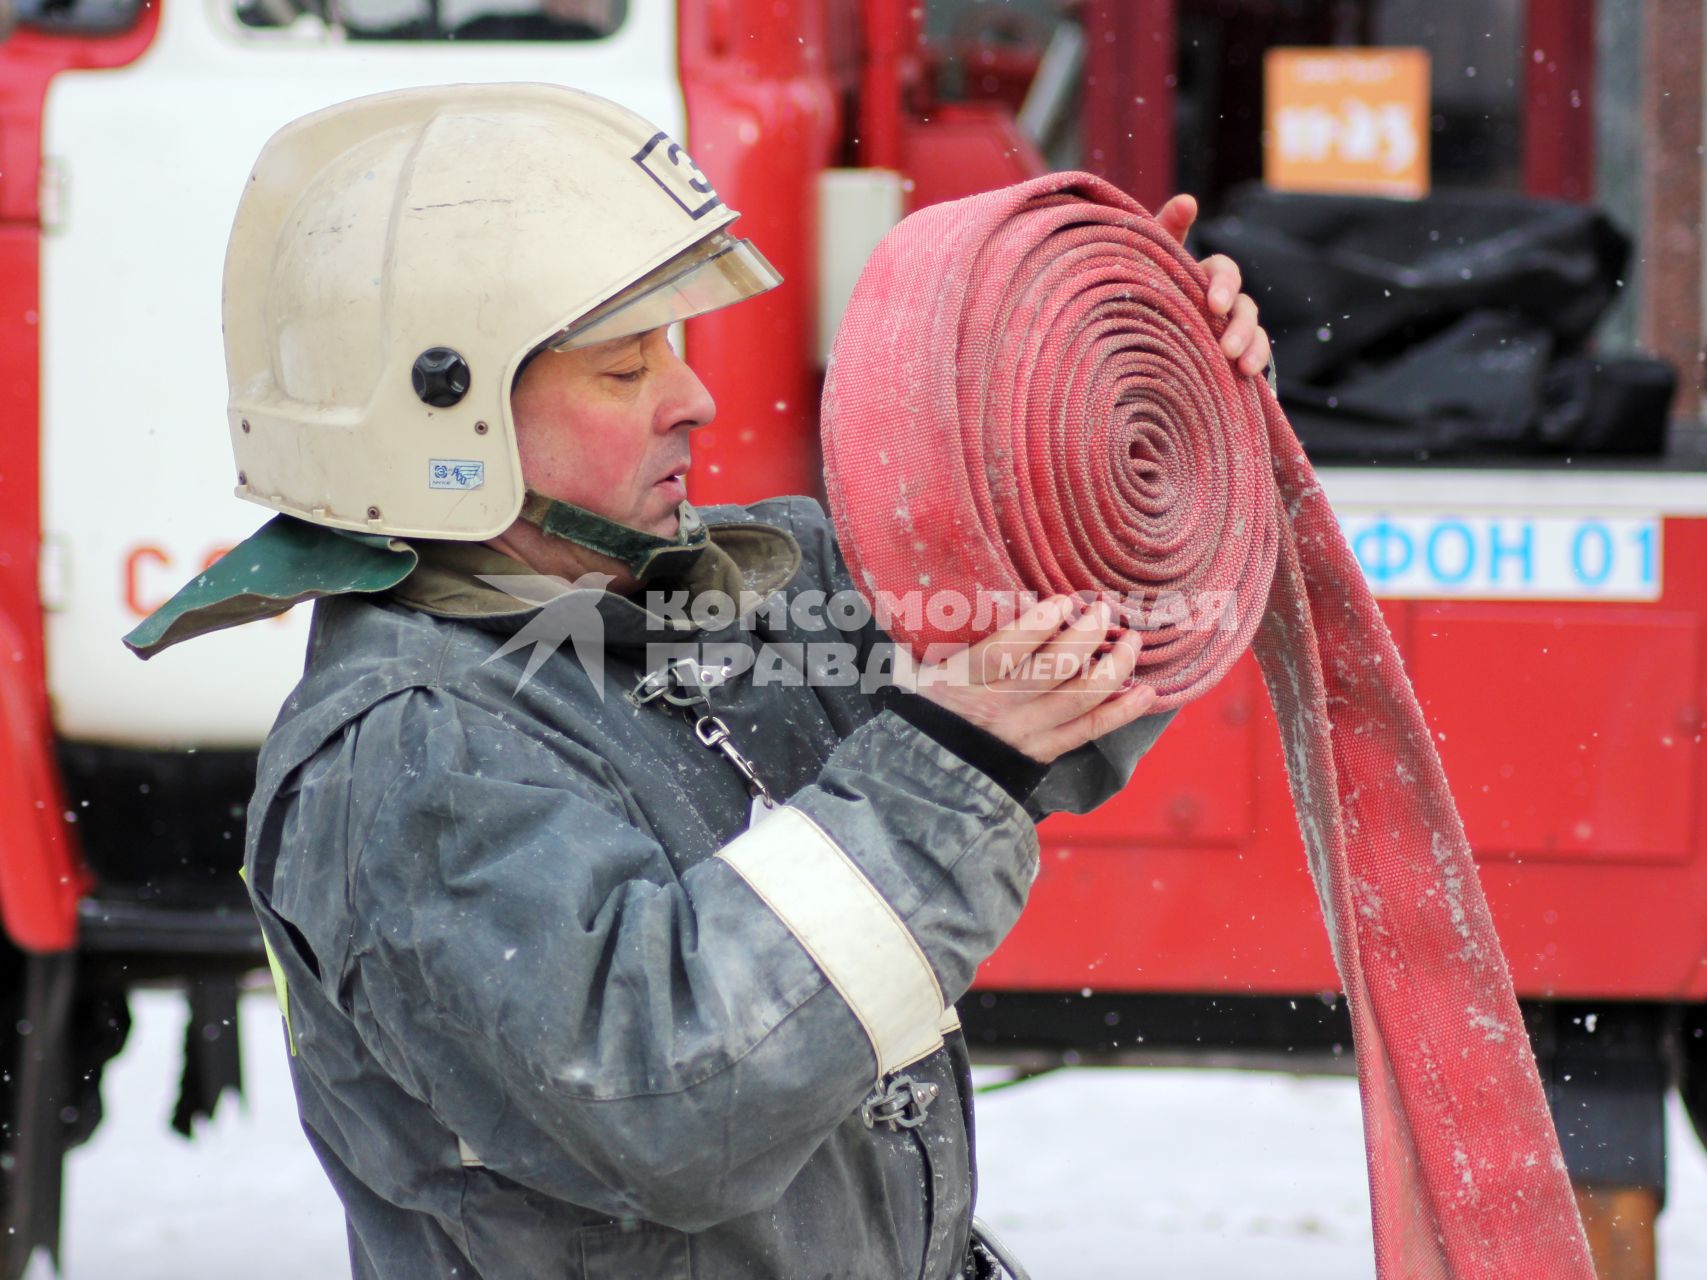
(1027, 396)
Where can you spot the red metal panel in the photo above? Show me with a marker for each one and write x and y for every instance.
(762, 122)
(1575, 743)
(1192, 880)
(1558, 115)
(992, 73)
(1132, 899)
(1601, 920)
(41, 875)
(1197, 788)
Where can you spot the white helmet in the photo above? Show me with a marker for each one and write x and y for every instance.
(394, 260)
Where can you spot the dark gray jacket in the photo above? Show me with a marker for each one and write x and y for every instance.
(555, 1015)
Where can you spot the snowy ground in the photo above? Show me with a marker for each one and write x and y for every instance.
(1087, 1174)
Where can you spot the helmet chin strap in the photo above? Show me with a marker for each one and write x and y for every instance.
(646, 555)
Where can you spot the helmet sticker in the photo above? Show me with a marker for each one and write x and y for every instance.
(674, 170)
(450, 473)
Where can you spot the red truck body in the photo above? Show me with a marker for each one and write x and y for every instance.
(1571, 727)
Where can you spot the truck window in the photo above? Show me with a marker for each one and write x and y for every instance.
(442, 19)
(78, 17)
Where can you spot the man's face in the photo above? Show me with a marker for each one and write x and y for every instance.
(606, 428)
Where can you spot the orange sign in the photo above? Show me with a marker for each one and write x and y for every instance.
(1348, 120)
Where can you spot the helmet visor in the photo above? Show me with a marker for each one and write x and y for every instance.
(716, 272)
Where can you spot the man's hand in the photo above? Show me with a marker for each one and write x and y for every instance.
(1244, 341)
(1039, 686)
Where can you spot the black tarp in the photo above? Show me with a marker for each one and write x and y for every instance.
(1452, 325)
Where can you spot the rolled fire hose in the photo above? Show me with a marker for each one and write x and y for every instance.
(1027, 396)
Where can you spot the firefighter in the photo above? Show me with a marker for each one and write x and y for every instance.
(601, 952)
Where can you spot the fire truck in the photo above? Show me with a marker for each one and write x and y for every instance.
(1551, 613)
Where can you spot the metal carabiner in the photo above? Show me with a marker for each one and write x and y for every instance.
(712, 732)
(682, 684)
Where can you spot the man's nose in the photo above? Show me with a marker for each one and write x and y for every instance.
(689, 404)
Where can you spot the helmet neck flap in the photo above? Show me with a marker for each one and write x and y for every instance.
(646, 555)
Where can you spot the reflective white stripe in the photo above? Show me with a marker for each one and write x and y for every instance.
(848, 929)
(469, 1159)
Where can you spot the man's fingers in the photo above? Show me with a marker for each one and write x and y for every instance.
(1070, 679)
(1072, 654)
(1038, 660)
(1225, 281)
(1050, 670)
(1106, 673)
(1177, 215)
(1241, 328)
(1105, 717)
(1256, 356)
(1117, 665)
(1005, 657)
(1081, 676)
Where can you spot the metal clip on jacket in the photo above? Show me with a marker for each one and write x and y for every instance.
(713, 733)
(901, 1104)
(682, 684)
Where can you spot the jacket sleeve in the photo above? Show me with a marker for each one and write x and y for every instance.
(673, 1048)
(1096, 772)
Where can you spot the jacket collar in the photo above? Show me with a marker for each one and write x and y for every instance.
(289, 561)
(745, 562)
